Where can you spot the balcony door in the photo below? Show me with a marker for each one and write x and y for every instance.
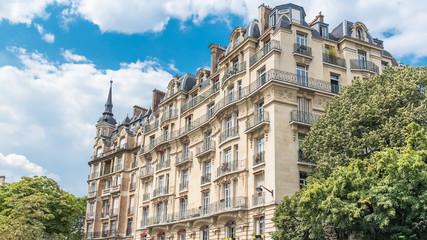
(302, 75)
(228, 126)
(362, 59)
(227, 195)
(206, 202)
(159, 212)
(260, 112)
(208, 140)
(303, 114)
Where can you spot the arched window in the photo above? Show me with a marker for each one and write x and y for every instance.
(358, 34)
(99, 152)
(204, 233)
(123, 142)
(139, 139)
(230, 230)
(181, 234)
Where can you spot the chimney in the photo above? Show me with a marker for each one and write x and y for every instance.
(157, 96)
(2, 179)
(263, 12)
(137, 110)
(216, 53)
(318, 18)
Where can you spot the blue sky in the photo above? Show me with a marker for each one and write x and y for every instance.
(57, 57)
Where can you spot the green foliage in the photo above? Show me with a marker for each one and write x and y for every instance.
(380, 197)
(332, 51)
(36, 208)
(368, 116)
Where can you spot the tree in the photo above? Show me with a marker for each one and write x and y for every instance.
(380, 197)
(368, 116)
(36, 208)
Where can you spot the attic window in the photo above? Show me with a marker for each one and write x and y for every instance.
(358, 34)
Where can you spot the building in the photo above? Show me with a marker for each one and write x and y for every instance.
(219, 150)
(2, 179)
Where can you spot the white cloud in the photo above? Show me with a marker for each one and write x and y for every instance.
(71, 57)
(42, 100)
(24, 11)
(15, 166)
(47, 37)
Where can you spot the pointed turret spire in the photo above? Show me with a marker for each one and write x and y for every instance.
(107, 116)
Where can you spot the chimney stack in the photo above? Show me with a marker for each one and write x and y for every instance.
(2, 179)
(157, 96)
(318, 18)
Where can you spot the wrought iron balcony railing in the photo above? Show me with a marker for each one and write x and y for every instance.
(169, 114)
(206, 147)
(364, 65)
(227, 167)
(228, 133)
(233, 70)
(257, 119)
(160, 191)
(206, 178)
(258, 199)
(302, 49)
(272, 45)
(183, 158)
(304, 117)
(163, 164)
(259, 158)
(334, 60)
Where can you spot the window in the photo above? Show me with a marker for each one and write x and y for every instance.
(161, 236)
(358, 34)
(227, 195)
(236, 124)
(104, 132)
(204, 233)
(93, 187)
(106, 208)
(230, 230)
(323, 31)
(259, 179)
(227, 156)
(112, 228)
(302, 75)
(362, 59)
(216, 84)
(159, 212)
(184, 180)
(99, 152)
(162, 158)
(181, 235)
(300, 152)
(303, 105)
(302, 179)
(135, 160)
(139, 139)
(261, 76)
(183, 208)
(170, 110)
(208, 140)
(117, 180)
(129, 227)
(165, 134)
(228, 127)
(122, 142)
(91, 208)
(273, 19)
(211, 110)
(104, 229)
(206, 202)
(260, 145)
(133, 181)
(239, 89)
(235, 64)
(260, 112)
(185, 150)
(152, 141)
(107, 184)
(188, 122)
(115, 205)
(335, 83)
(259, 227)
(207, 168)
(161, 184)
(230, 95)
(145, 215)
(236, 152)
(131, 204)
(119, 164)
(301, 40)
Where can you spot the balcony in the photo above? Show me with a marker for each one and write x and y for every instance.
(257, 121)
(183, 186)
(169, 114)
(91, 194)
(132, 186)
(184, 158)
(270, 46)
(364, 65)
(334, 60)
(233, 71)
(145, 172)
(123, 146)
(228, 134)
(106, 191)
(160, 191)
(115, 188)
(206, 148)
(302, 50)
(151, 127)
(303, 118)
(205, 179)
(195, 101)
(163, 165)
(227, 167)
(134, 164)
(97, 156)
(258, 199)
(93, 175)
(224, 205)
(315, 84)
(259, 158)
(91, 235)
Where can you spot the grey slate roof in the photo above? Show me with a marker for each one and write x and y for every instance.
(187, 82)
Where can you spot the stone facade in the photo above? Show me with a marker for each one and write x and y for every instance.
(222, 148)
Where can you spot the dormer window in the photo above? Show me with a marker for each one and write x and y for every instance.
(273, 19)
(323, 31)
(358, 34)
